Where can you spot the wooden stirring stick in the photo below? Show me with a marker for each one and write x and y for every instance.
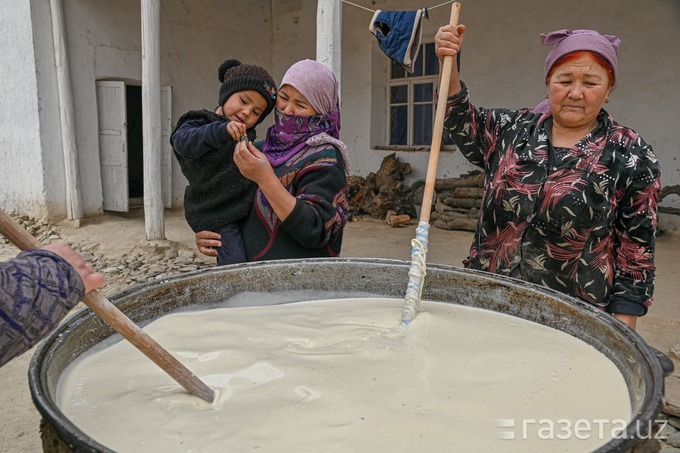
(417, 272)
(103, 308)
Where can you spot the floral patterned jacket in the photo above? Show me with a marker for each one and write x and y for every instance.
(581, 221)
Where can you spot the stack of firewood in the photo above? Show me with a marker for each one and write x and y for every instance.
(458, 201)
(384, 195)
(383, 192)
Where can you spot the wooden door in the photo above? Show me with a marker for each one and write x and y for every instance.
(113, 146)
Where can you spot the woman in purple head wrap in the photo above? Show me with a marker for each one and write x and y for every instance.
(570, 200)
(300, 207)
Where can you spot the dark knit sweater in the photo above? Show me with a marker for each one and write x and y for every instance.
(316, 177)
(217, 193)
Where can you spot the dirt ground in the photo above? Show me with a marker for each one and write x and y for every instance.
(367, 237)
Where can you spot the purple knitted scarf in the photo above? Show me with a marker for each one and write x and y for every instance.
(290, 133)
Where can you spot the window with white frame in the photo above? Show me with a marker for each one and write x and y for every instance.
(410, 103)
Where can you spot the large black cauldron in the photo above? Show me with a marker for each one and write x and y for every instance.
(299, 280)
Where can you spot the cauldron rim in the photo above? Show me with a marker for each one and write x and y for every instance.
(78, 440)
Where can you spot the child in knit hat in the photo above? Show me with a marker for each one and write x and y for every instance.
(218, 196)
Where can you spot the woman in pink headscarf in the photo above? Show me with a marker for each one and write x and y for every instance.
(570, 200)
(300, 207)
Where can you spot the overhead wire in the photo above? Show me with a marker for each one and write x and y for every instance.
(373, 11)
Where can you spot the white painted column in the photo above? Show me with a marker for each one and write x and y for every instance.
(74, 206)
(329, 35)
(151, 117)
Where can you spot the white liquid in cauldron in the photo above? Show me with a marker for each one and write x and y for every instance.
(341, 376)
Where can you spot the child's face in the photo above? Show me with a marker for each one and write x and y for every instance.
(245, 107)
(291, 101)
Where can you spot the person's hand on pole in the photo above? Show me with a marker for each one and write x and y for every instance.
(91, 280)
(447, 43)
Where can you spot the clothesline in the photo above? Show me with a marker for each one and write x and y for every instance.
(373, 11)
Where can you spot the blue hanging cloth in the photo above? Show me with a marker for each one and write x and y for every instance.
(398, 34)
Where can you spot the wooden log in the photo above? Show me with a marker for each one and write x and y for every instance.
(443, 208)
(475, 179)
(449, 215)
(399, 220)
(392, 170)
(468, 212)
(459, 223)
(444, 193)
(462, 202)
(467, 192)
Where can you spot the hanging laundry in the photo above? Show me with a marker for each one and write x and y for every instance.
(398, 34)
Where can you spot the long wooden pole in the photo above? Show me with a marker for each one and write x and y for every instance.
(419, 245)
(103, 308)
(443, 95)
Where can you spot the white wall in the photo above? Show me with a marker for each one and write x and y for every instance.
(196, 37)
(22, 185)
(293, 34)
